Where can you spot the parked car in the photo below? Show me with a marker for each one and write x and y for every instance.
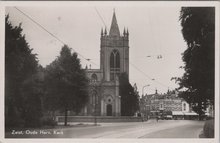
(168, 117)
(160, 117)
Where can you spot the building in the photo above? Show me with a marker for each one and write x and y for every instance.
(104, 98)
(166, 104)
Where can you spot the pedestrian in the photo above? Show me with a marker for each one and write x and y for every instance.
(157, 118)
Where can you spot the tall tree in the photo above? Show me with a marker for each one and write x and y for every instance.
(136, 98)
(198, 29)
(66, 83)
(20, 64)
(129, 96)
(32, 92)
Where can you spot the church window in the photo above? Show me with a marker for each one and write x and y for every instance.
(94, 77)
(91, 99)
(114, 64)
(94, 97)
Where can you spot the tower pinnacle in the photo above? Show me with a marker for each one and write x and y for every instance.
(114, 30)
(102, 32)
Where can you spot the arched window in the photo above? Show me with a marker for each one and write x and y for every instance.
(114, 64)
(115, 59)
(94, 97)
(94, 77)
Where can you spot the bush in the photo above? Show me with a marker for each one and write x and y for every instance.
(48, 121)
(208, 128)
(31, 122)
(13, 123)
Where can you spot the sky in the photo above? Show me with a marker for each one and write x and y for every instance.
(154, 30)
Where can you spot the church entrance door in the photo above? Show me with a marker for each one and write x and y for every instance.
(109, 110)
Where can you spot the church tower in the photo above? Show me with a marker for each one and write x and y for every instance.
(104, 96)
(114, 53)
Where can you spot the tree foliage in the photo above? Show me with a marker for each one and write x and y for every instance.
(198, 29)
(66, 83)
(32, 93)
(20, 65)
(129, 96)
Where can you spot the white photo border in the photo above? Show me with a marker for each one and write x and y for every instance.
(4, 4)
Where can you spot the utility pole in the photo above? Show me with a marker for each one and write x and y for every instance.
(95, 94)
(95, 108)
(143, 101)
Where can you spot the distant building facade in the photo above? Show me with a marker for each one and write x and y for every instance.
(166, 104)
(104, 98)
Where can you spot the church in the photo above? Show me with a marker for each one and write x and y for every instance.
(104, 97)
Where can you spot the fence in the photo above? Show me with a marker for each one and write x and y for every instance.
(99, 119)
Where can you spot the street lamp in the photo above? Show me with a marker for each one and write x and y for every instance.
(143, 101)
(95, 94)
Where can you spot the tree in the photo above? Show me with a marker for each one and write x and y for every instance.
(32, 91)
(129, 96)
(136, 98)
(20, 64)
(197, 83)
(66, 83)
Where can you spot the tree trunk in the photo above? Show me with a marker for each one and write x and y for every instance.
(200, 116)
(65, 118)
(200, 112)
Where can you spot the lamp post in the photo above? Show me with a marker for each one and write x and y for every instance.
(95, 94)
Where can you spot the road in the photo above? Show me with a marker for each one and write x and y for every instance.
(149, 129)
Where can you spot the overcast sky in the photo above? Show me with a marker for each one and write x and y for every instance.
(153, 31)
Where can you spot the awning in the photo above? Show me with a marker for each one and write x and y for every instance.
(191, 113)
(154, 111)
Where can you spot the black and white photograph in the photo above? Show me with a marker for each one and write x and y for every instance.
(111, 70)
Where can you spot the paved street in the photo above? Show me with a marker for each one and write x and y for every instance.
(149, 129)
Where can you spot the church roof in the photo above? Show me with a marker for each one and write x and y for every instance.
(114, 30)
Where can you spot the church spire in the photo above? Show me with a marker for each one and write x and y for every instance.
(102, 32)
(124, 31)
(114, 30)
(105, 31)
